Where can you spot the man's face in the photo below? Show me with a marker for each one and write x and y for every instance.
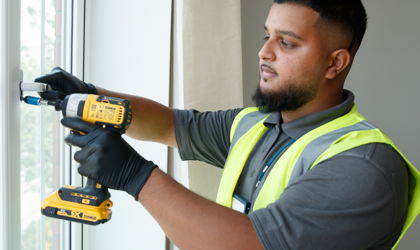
(292, 59)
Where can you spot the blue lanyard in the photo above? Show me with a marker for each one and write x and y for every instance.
(271, 161)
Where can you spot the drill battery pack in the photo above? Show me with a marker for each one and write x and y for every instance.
(88, 205)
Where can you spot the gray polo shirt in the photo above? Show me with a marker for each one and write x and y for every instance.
(355, 200)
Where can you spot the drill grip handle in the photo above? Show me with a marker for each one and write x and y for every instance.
(95, 185)
(76, 132)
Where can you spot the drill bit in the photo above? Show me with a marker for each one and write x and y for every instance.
(37, 101)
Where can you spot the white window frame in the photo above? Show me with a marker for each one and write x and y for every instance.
(72, 60)
(10, 130)
(77, 69)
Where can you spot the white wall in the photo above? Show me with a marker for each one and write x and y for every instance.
(128, 50)
(385, 75)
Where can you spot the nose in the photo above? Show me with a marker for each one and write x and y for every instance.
(266, 53)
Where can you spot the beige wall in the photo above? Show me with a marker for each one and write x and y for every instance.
(212, 71)
(385, 76)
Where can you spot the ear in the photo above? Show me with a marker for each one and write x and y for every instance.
(339, 61)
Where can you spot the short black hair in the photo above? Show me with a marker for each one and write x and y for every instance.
(351, 14)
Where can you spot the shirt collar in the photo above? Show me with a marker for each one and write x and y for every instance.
(303, 125)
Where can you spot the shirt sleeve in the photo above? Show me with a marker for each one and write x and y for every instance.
(349, 201)
(204, 136)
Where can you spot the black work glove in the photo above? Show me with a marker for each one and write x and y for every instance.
(63, 84)
(107, 158)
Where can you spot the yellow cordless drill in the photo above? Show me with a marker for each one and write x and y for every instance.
(89, 204)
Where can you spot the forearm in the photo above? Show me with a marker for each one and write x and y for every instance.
(192, 222)
(152, 121)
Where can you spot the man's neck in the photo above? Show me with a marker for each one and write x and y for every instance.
(317, 105)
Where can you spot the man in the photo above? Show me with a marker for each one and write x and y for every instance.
(305, 169)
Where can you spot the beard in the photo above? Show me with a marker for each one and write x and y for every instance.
(291, 98)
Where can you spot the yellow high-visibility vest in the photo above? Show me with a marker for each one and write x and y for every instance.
(344, 133)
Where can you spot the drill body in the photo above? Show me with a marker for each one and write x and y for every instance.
(89, 204)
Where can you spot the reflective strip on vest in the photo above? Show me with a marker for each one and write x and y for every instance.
(344, 133)
(243, 144)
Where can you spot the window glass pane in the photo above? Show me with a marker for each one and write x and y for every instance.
(40, 127)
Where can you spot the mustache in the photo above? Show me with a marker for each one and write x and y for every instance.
(265, 67)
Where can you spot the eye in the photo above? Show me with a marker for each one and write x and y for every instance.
(286, 44)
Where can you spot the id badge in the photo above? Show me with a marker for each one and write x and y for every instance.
(240, 204)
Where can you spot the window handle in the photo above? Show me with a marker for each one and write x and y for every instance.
(32, 86)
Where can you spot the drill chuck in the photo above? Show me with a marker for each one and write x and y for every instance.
(58, 105)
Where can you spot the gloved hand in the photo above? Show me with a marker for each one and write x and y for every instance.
(107, 158)
(63, 84)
